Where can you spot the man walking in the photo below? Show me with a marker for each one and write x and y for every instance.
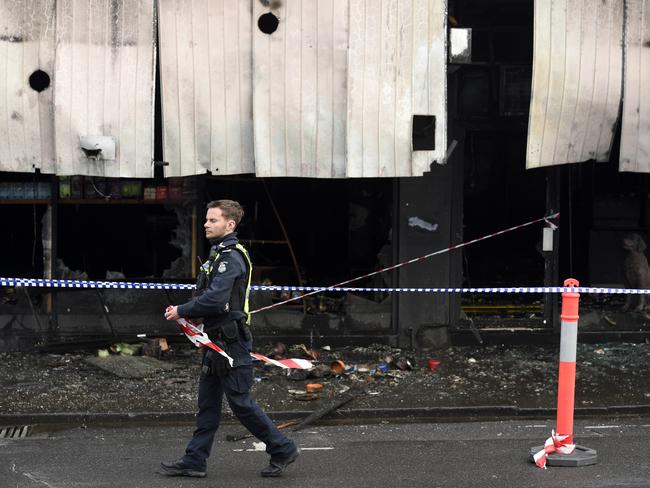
(223, 286)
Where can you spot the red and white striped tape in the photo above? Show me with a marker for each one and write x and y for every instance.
(291, 363)
(555, 443)
(200, 339)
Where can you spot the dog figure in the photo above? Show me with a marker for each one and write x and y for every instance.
(637, 271)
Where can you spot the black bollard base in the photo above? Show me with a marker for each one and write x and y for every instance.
(581, 456)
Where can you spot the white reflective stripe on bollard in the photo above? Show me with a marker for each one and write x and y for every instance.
(568, 341)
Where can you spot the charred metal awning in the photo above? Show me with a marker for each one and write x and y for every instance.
(77, 71)
(205, 62)
(577, 76)
(635, 131)
(397, 87)
(27, 39)
(311, 88)
(306, 88)
(588, 56)
(104, 88)
(299, 88)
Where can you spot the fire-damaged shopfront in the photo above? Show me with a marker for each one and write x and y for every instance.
(356, 134)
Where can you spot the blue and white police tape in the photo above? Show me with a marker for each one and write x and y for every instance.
(127, 285)
(47, 283)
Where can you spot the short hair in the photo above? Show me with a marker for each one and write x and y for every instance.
(230, 209)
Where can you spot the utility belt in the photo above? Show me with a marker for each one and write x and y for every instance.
(227, 334)
(232, 330)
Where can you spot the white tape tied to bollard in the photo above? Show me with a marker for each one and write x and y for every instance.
(555, 443)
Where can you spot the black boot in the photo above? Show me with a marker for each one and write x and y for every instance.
(179, 468)
(277, 466)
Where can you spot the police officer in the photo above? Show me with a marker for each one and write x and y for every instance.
(222, 303)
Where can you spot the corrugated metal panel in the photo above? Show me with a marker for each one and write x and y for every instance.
(104, 84)
(299, 90)
(26, 116)
(397, 69)
(577, 72)
(635, 132)
(205, 60)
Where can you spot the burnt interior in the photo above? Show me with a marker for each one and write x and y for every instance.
(340, 228)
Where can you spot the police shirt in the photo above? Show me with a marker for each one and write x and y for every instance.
(214, 304)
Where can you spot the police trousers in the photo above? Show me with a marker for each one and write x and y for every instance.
(236, 387)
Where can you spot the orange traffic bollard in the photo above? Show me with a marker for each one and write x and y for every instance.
(559, 449)
(567, 372)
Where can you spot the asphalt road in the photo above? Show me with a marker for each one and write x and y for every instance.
(486, 454)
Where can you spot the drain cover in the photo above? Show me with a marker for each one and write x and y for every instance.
(15, 432)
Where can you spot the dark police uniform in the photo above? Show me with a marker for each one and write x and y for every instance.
(223, 305)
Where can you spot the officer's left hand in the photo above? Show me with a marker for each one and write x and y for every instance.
(172, 313)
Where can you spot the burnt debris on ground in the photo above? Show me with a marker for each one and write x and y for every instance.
(387, 378)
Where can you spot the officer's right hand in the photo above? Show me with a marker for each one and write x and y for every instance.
(172, 313)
